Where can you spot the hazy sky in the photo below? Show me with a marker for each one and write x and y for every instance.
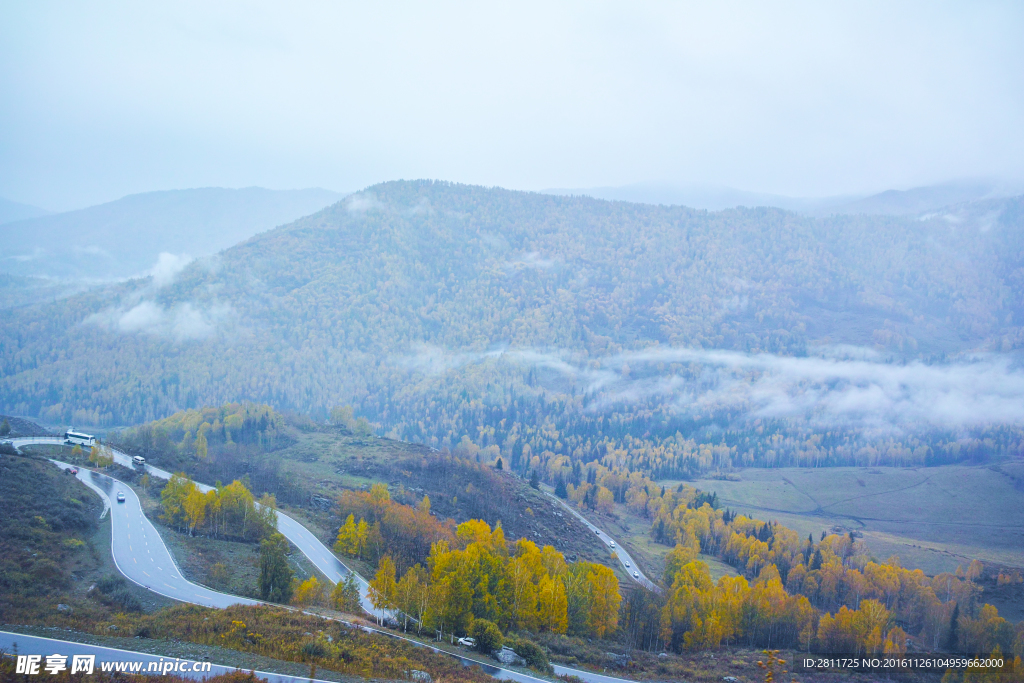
(100, 100)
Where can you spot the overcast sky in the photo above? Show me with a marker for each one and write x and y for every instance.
(100, 100)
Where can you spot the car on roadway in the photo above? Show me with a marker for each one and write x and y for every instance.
(612, 544)
(120, 496)
(467, 642)
(636, 575)
(72, 470)
(627, 563)
(597, 531)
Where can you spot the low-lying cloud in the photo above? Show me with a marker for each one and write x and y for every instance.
(432, 360)
(361, 203)
(863, 392)
(36, 254)
(181, 322)
(167, 268)
(533, 259)
(842, 385)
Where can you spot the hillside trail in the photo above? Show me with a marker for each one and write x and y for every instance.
(817, 503)
(880, 493)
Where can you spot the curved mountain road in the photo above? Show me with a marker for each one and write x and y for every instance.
(141, 555)
(299, 536)
(138, 550)
(627, 562)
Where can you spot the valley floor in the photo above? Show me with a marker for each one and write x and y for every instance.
(933, 518)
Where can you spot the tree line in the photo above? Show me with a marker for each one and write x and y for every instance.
(827, 595)
(225, 512)
(375, 526)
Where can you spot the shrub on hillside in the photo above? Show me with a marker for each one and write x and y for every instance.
(488, 636)
(535, 656)
(115, 592)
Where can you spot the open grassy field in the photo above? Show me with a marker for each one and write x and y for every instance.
(932, 518)
(197, 652)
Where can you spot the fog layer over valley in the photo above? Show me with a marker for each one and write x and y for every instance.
(542, 326)
(832, 387)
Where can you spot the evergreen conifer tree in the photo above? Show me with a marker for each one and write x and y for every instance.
(275, 574)
(560, 489)
(952, 639)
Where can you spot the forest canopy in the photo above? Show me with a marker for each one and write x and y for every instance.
(536, 327)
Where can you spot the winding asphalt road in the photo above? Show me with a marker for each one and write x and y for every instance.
(138, 550)
(301, 537)
(141, 555)
(627, 562)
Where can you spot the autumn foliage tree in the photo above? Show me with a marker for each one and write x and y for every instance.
(225, 512)
(373, 522)
(383, 586)
(828, 595)
(308, 592)
(345, 595)
(517, 586)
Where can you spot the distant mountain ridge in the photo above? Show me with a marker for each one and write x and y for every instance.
(708, 197)
(890, 202)
(124, 238)
(920, 200)
(16, 211)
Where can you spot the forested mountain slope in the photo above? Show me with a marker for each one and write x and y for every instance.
(444, 311)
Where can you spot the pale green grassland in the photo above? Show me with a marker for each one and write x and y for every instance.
(932, 518)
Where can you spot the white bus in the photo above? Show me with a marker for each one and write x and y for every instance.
(78, 438)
